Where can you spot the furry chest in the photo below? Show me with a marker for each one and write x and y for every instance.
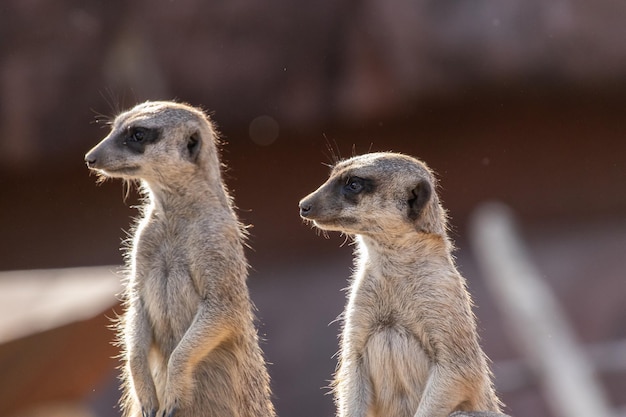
(377, 302)
(170, 298)
(397, 368)
(385, 328)
(383, 317)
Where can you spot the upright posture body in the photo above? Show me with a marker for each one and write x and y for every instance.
(190, 347)
(409, 345)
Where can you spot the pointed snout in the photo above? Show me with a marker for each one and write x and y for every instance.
(98, 156)
(91, 159)
(305, 207)
(312, 206)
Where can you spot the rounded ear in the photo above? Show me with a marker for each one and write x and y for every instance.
(193, 146)
(418, 198)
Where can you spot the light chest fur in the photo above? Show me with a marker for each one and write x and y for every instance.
(171, 250)
(162, 278)
(390, 323)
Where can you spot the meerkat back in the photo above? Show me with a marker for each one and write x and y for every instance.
(187, 335)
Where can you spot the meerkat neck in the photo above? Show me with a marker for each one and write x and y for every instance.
(406, 249)
(184, 197)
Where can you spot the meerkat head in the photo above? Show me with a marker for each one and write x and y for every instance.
(374, 194)
(160, 142)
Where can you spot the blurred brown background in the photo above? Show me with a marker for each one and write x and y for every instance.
(518, 101)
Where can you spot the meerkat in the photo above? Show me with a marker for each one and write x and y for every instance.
(190, 346)
(409, 345)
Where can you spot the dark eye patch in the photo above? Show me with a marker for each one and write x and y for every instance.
(136, 138)
(353, 186)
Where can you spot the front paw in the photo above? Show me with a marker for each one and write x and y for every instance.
(149, 408)
(171, 404)
(178, 394)
(145, 412)
(146, 398)
(169, 411)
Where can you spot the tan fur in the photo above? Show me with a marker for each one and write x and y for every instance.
(190, 347)
(409, 345)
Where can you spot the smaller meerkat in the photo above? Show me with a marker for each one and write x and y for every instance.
(409, 345)
(189, 344)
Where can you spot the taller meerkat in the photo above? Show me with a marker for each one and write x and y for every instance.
(190, 347)
(409, 345)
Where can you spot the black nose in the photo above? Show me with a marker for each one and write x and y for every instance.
(305, 209)
(90, 161)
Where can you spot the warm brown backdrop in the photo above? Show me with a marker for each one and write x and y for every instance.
(521, 102)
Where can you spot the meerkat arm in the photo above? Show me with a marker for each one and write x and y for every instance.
(138, 341)
(206, 332)
(441, 394)
(354, 390)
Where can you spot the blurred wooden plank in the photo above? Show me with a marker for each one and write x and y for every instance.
(605, 358)
(40, 300)
(537, 322)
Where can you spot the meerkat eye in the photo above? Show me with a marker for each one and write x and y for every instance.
(137, 135)
(354, 185)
